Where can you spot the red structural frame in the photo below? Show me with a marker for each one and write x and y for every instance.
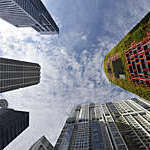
(138, 62)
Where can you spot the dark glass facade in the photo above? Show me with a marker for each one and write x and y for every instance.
(28, 13)
(12, 123)
(17, 74)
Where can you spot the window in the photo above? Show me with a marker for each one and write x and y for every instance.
(145, 47)
(139, 68)
(149, 65)
(41, 147)
(143, 64)
(135, 52)
(133, 64)
(137, 60)
(148, 57)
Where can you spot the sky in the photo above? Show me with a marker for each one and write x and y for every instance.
(72, 69)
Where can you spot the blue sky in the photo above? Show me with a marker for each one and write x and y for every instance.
(72, 63)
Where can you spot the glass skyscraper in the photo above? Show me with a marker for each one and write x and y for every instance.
(121, 125)
(28, 13)
(84, 129)
(12, 124)
(16, 74)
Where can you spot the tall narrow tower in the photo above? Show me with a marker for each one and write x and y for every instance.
(16, 74)
(28, 13)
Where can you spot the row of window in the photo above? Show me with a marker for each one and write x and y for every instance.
(13, 75)
(138, 49)
(17, 82)
(4, 67)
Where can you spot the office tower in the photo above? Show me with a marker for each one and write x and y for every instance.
(128, 63)
(12, 123)
(120, 125)
(3, 103)
(42, 144)
(28, 13)
(17, 74)
(84, 129)
(132, 119)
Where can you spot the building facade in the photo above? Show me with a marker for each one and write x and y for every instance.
(17, 74)
(84, 129)
(121, 125)
(132, 118)
(134, 53)
(42, 144)
(138, 62)
(12, 124)
(28, 13)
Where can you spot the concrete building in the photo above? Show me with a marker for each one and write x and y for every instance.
(12, 124)
(28, 13)
(17, 74)
(42, 144)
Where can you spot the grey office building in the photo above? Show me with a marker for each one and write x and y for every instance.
(12, 124)
(17, 74)
(85, 129)
(121, 125)
(42, 144)
(28, 13)
(132, 119)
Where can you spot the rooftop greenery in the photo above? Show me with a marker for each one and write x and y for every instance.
(135, 35)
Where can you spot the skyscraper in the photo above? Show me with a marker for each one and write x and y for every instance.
(17, 74)
(132, 119)
(128, 63)
(42, 144)
(84, 129)
(120, 125)
(12, 123)
(28, 13)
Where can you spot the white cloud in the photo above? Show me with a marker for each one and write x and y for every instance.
(84, 37)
